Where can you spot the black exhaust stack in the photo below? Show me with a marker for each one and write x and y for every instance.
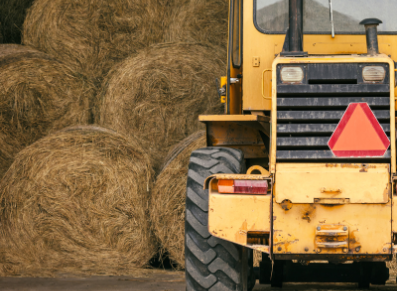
(371, 30)
(293, 45)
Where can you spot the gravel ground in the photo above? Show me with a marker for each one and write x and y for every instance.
(148, 281)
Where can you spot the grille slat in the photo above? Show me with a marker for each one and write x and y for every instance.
(302, 142)
(322, 115)
(334, 102)
(311, 128)
(334, 88)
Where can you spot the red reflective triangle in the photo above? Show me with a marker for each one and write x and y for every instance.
(359, 134)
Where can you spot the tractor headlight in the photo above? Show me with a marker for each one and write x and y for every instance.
(291, 74)
(374, 73)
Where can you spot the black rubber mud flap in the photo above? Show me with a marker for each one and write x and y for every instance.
(212, 264)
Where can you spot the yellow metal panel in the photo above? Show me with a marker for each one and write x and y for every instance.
(304, 183)
(394, 208)
(266, 46)
(394, 212)
(296, 231)
(231, 217)
(333, 47)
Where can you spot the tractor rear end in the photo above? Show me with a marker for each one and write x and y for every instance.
(302, 165)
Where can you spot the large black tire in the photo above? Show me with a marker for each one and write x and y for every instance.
(212, 264)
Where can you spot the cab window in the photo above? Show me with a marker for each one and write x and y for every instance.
(271, 16)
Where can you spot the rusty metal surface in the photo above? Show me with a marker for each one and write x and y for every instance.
(332, 236)
(333, 183)
(233, 216)
(296, 231)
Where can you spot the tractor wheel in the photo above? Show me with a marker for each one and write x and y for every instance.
(211, 263)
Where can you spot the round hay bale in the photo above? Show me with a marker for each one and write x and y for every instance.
(38, 94)
(160, 93)
(167, 208)
(76, 202)
(12, 15)
(200, 21)
(91, 35)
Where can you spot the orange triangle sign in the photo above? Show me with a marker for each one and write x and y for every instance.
(359, 134)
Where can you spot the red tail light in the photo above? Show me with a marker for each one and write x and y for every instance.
(243, 186)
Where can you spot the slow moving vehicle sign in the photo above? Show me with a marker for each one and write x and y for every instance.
(359, 134)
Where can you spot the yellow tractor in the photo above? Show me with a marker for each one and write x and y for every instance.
(302, 165)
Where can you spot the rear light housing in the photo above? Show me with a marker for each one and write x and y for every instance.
(291, 74)
(243, 186)
(374, 73)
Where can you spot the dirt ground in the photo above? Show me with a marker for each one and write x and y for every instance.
(151, 280)
(156, 280)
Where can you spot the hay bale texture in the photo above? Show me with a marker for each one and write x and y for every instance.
(91, 35)
(204, 21)
(76, 202)
(12, 16)
(160, 93)
(167, 209)
(38, 94)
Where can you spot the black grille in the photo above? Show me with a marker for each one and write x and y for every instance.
(305, 124)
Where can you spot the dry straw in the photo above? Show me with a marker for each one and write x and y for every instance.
(91, 35)
(200, 21)
(12, 15)
(167, 209)
(75, 202)
(160, 93)
(38, 94)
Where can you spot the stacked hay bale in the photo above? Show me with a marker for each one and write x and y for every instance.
(12, 15)
(76, 202)
(91, 35)
(204, 21)
(38, 94)
(160, 93)
(167, 210)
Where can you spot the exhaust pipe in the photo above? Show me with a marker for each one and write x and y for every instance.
(296, 25)
(371, 31)
(293, 45)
